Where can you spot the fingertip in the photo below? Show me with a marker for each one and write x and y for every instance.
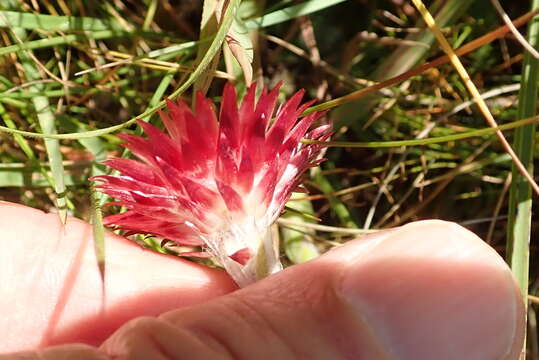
(43, 259)
(433, 289)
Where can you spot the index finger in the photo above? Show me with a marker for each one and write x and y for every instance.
(52, 291)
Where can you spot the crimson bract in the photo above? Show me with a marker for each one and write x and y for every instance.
(217, 183)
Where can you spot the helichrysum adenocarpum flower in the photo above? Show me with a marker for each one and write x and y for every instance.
(218, 184)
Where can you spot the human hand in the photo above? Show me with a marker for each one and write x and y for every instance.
(428, 290)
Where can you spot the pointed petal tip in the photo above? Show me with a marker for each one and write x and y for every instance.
(100, 178)
(124, 137)
(228, 98)
(229, 90)
(177, 105)
(277, 86)
(144, 125)
(241, 256)
(200, 97)
(300, 92)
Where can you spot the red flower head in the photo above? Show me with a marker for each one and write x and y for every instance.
(217, 184)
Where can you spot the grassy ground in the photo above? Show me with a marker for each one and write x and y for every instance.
(92, 73)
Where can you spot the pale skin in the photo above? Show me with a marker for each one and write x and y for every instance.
(429, 290)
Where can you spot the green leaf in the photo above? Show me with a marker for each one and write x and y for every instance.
(31, 21)
(240, 45)
(292, 12)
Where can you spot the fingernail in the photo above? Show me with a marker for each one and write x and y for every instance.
(417, 305)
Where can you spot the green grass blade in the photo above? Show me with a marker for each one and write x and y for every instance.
(160, 91)
(16, 178)
(297, 240)
(46, 120)
(63, 40)
(150, 15)
(405, 57)
(427, 141)
(21, 141)
(31, 21)
(32, 177)
(98, 233)
(292, 12)
(209, 25)
(520, 198)
(337, 206)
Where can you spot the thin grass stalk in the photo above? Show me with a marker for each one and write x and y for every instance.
(406, 57)
(520, 195)
(47, 123)
(24, 145)
(472, 45)
(150, 15)
(337, 206)
(472, 89)
(209, 25)
(426, 141)
(98, 232)
(291, 12)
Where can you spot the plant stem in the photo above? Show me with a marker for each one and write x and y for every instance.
(520, 197)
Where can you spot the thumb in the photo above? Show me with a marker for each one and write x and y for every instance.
(428, 290)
